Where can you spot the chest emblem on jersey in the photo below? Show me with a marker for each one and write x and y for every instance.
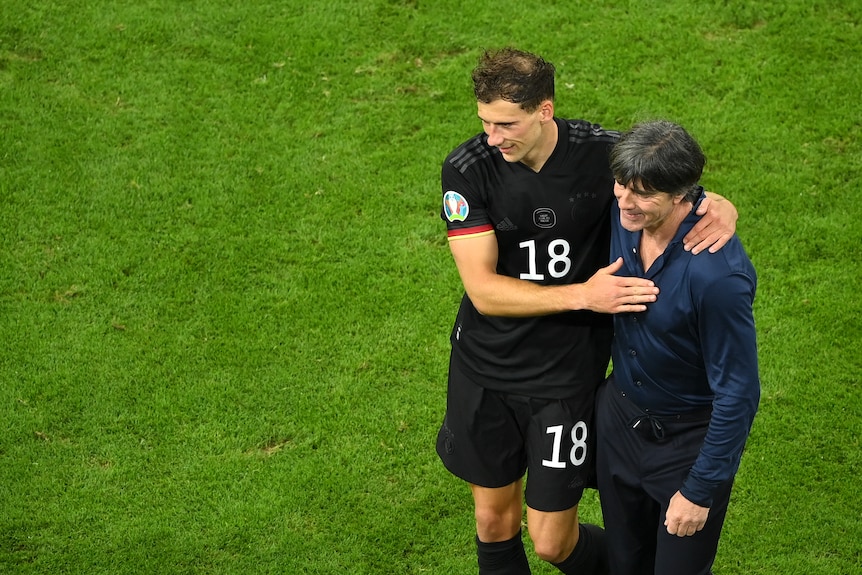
(545, 218)
(455, 206)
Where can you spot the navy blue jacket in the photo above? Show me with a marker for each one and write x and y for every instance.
(694, 348)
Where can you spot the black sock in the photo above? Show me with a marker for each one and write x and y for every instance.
(590, 555)
(503, 558)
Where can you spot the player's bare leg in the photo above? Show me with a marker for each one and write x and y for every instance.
(571, 547)
(498, 530)
(498, 511)
(554, 534)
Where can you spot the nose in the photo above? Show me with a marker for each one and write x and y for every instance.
(494, 137)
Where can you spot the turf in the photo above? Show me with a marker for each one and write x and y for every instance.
(226, 291)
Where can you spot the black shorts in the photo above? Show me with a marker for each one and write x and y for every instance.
(491, 439)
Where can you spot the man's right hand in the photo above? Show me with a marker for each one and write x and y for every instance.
(606, 293)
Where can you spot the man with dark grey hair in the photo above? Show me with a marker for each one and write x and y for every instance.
(674, 416)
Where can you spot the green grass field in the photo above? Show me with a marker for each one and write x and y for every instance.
(226, 293)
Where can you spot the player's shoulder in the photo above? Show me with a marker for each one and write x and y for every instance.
(474, 150)
(584, 131)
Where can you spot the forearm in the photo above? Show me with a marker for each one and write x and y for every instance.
(496, 294)
(505, 296)
(719, 457)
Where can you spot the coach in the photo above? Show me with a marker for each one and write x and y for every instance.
(675, 414)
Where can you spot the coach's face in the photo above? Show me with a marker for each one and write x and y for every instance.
(520, 136)
(645, 210)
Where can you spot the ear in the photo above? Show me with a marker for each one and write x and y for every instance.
(546, 110)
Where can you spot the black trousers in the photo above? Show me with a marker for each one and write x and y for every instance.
(640, 467)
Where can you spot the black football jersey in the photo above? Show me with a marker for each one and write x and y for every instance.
(552, 227)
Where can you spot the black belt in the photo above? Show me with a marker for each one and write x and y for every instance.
(655, 424)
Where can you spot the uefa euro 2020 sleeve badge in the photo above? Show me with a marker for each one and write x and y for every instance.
(455, 206)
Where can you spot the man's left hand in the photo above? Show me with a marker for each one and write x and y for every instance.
(683, 517)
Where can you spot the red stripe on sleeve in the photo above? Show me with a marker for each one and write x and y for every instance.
(484, 229)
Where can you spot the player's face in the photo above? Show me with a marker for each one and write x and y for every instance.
(518, 134)
(643, 210)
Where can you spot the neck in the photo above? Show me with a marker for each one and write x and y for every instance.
(545, 147)
(654, 241)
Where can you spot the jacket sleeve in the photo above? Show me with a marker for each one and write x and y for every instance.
(729, 346)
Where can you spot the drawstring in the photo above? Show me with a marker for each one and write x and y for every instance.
(655, 423)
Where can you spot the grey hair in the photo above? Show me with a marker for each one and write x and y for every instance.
(659, 156)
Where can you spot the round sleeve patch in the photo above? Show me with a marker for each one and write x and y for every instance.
(455, 206)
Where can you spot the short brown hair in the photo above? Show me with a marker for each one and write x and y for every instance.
(515, 76)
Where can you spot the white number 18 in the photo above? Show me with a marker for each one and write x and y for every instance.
(559, 266)
(577, 455)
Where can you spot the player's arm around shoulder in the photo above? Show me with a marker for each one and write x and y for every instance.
(499, 295)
